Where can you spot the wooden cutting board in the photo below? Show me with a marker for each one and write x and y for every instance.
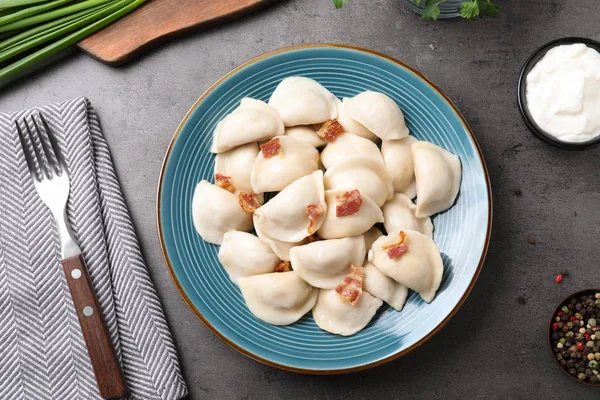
(157, 20)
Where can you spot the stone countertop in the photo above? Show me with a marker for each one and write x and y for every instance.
(494, 347)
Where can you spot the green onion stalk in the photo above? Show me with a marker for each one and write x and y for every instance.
(33, 30)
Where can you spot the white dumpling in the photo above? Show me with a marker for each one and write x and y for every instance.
(398, 159)
(278, 298)
(216, 211)
(438, 175)
(351, 126)
(325, 263)
(237, 164)
(305, 134)
(296, 160)
(384, 287)
(378, 113)
(399, 215)
(243, 254)
(303, 101)
(371, 236)
(366, 174)
(252, 121)
(286, 216)
(357, 223)
(420, 268)
(281, 249)
(334, 315)
(347, 146)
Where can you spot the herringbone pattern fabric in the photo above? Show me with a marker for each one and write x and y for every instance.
(42, 352)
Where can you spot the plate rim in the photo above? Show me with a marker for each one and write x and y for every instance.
(372, 364)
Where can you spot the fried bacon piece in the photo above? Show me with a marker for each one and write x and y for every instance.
(348, 203)
(271, 148)
(248, 202)
(313, 211)
(283, 266)
(224, 182)
(330, 130)
(394, 250)
(350, 289)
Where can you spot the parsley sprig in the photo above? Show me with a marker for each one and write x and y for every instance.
(468, 9)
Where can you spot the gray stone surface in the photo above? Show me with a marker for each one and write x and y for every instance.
(494, 347)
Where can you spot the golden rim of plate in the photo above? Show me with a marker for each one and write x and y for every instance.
(342, 370)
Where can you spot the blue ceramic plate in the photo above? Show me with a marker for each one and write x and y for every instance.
(462, 233)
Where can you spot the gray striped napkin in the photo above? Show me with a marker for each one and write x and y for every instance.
(42, 352)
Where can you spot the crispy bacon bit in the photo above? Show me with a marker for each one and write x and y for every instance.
(330, 130)
(350, 289)
(313, 211)
(248, 202)
(271, 148)
(283, 266)
(394, 250)
(313, 238)
(224, 182)
(348, 203)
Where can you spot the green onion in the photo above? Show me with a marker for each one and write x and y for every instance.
(30, 11)
(33, 30)
(19, 3)
(125, 6)
(46, 28)
(4, 35)
(59, 30)
(36, 19)
(8, 11)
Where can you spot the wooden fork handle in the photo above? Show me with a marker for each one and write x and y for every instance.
(109, 376)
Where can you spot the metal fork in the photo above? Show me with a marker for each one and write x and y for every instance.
(49, 174)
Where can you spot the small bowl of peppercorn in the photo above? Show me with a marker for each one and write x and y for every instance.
(574, 336)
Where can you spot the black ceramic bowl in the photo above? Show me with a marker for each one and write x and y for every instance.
(549, 334)
(531, 124)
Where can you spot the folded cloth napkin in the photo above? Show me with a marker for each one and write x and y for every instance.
(42, 351)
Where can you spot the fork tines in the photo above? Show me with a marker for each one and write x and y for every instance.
(40, 147)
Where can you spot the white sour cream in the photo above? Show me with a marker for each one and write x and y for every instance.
(563, 92)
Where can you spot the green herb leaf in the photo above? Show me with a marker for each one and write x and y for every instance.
(488, 9)
(339, 3)
(431, 11)
(469, 9)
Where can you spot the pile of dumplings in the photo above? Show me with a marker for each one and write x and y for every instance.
(329, 182)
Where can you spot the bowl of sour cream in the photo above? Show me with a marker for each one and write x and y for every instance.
(559, 93)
